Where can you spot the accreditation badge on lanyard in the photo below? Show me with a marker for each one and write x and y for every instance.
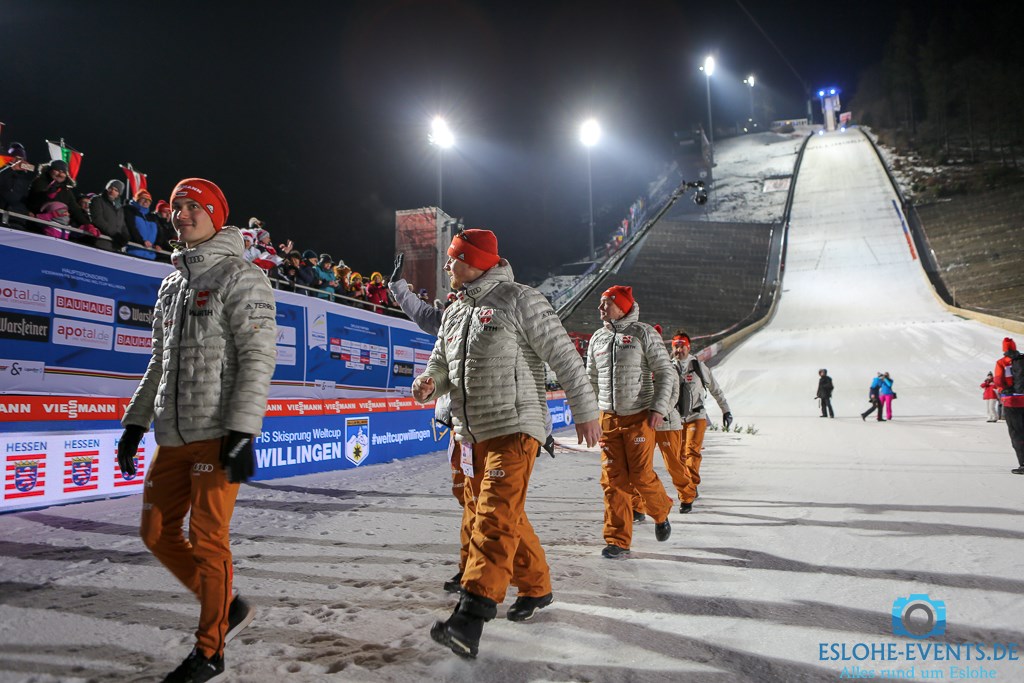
(467, 459)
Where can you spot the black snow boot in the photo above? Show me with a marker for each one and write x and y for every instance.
(663, 531)
(462, 631)
(525, 607)
(638, 517)
(454, 584)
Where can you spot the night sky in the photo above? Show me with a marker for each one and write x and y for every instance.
(314, 116)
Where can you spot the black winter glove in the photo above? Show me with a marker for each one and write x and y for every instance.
(549, 445)
(727, 420)
(127, 447)
(236, 456)
(396, 274)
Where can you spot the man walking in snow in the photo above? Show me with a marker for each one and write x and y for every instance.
(489, 356)
(633, 380)
(696, 379)
(205, 391)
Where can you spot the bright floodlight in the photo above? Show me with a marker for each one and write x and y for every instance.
(440, 133)
(590, 132)
(750, 80)
(709, 65)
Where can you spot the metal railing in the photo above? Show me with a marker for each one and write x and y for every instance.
(275, 282)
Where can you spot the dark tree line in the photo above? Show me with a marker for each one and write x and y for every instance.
(950, 84)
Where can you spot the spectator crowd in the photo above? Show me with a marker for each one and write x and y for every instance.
(112, 221)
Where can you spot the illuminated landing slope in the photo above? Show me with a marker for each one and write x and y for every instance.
(855, 301)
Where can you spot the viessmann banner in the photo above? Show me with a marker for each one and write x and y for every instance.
(75, 340)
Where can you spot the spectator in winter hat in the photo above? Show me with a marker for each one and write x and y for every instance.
(55, 212)
(143, 227)
(107, 213)
(53, 184)
(162, 213)
(249, 251)
(341, 274)
(15, 182)
(324, 271)
(377, 293)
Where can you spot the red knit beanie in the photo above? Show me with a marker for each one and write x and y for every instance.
(475, 247)
(1008, 344)
(207, 195)
(621, 295)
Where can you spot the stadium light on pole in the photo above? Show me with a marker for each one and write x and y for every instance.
(441, 136)
(708, 69)
(749, 80)
(590, 135)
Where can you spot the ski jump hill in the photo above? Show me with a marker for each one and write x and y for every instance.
(816, 548)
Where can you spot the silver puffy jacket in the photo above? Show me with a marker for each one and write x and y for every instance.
(490, 355)
(629, 367)
(214, 334)
(693, 389)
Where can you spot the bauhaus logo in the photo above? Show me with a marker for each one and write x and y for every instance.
(81, 333)
(133, 341)
(135, 315)
(24, 297)
(24, 327)
(83, 305)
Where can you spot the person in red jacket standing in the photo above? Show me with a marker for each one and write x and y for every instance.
(1011, 389)
(991, 398)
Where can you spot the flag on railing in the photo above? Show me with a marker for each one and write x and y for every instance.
(60, 151)
(136, 179)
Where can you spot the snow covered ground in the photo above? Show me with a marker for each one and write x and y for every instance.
(804, 535)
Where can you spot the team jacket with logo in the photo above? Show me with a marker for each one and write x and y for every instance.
(490, 355)
(214, 334)
(629, 367)
(694, 391)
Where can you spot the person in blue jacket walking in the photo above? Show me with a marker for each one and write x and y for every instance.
(876, 403)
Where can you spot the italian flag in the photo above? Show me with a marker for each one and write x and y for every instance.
(62, 152)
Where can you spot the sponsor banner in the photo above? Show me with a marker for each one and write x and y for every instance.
(82, 314)
(23, 296)
(15, 372)
(128, 340)
(135, 315)
(24, 328)
(81, 305)
(85, 460)
(60, 408)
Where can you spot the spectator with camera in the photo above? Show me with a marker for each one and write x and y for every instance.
(107, 214)
(143, 227)
(15, 182)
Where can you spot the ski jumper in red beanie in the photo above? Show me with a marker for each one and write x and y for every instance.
(475, 247)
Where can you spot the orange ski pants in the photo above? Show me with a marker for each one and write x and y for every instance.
(503, 547)
(627, 465)
(670, 443)
(183, 478)
(693, 442)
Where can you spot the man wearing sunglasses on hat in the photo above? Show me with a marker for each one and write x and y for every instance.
(489, 357)
(695, 381)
